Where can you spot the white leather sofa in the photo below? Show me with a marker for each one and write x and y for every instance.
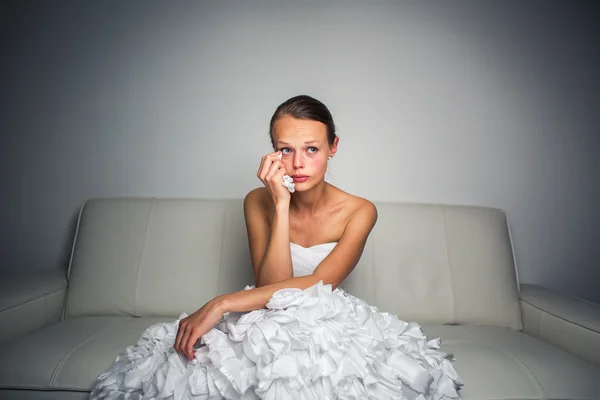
(451, 268)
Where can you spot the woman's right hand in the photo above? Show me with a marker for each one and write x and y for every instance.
(271, 172)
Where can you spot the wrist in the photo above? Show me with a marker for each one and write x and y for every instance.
(282, 207)
(222, 304)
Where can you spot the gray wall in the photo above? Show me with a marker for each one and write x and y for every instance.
(469, 102)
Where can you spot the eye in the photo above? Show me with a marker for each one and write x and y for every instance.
(312, 149)
(285, 150)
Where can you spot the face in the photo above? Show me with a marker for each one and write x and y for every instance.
(305, 149)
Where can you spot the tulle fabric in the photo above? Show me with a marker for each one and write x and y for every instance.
(316, 343)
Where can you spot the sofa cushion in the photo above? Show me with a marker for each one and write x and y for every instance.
(68, 355)
(500, 363)
(18, 394)
(441, 264)
(494, 363)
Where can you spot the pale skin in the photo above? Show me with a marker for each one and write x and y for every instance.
(316, 213)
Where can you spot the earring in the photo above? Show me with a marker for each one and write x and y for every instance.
(329, 158)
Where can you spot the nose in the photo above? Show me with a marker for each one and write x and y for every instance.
(298, 161)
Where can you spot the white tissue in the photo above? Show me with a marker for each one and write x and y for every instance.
(288, 182)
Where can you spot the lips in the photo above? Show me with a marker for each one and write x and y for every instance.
(299, 178)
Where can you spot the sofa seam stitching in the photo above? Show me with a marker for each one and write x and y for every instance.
(75, 239)
(72, 256)
(141, 257)
(515, 265)
(449, 268)
(512, 248)
(69, 353)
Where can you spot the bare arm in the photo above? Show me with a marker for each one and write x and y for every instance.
(332, 270)
(269, 243)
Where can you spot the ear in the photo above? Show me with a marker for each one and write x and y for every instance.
(333, 147)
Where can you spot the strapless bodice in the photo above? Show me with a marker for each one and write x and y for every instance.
(306, 259)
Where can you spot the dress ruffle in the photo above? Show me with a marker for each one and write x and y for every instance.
(306, 344)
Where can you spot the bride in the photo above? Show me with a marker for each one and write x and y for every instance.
(294, 334)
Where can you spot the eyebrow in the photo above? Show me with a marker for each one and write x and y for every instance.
(307, 142)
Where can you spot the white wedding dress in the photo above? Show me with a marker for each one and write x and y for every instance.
(306, 344)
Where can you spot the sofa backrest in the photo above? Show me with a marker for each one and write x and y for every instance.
(441, 264)
(156, 257)
(160, 257)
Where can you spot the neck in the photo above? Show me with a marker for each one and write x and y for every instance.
(309, 201)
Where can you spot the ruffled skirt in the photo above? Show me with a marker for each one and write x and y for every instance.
(306, 344)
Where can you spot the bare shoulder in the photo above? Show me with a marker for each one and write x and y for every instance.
(356, 207)
(364, 210)
(360, 217)
(256, 195)
(258, 200)
(366, 207)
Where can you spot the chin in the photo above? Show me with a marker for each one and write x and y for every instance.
(305, 186)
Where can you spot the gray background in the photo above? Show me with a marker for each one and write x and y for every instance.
(462, 102)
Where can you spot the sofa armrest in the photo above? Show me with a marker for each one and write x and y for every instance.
(30, 302)
(564, 321)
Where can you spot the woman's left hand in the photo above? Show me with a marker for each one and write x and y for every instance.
(192, 327)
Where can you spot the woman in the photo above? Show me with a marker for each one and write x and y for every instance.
(294, 334)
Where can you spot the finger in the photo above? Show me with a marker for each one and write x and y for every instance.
(267, 170)
(180, 331)
(189, 345)
(277, 176)
(265, 167)
(184, 339)
(268, 161)
(275, 167)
